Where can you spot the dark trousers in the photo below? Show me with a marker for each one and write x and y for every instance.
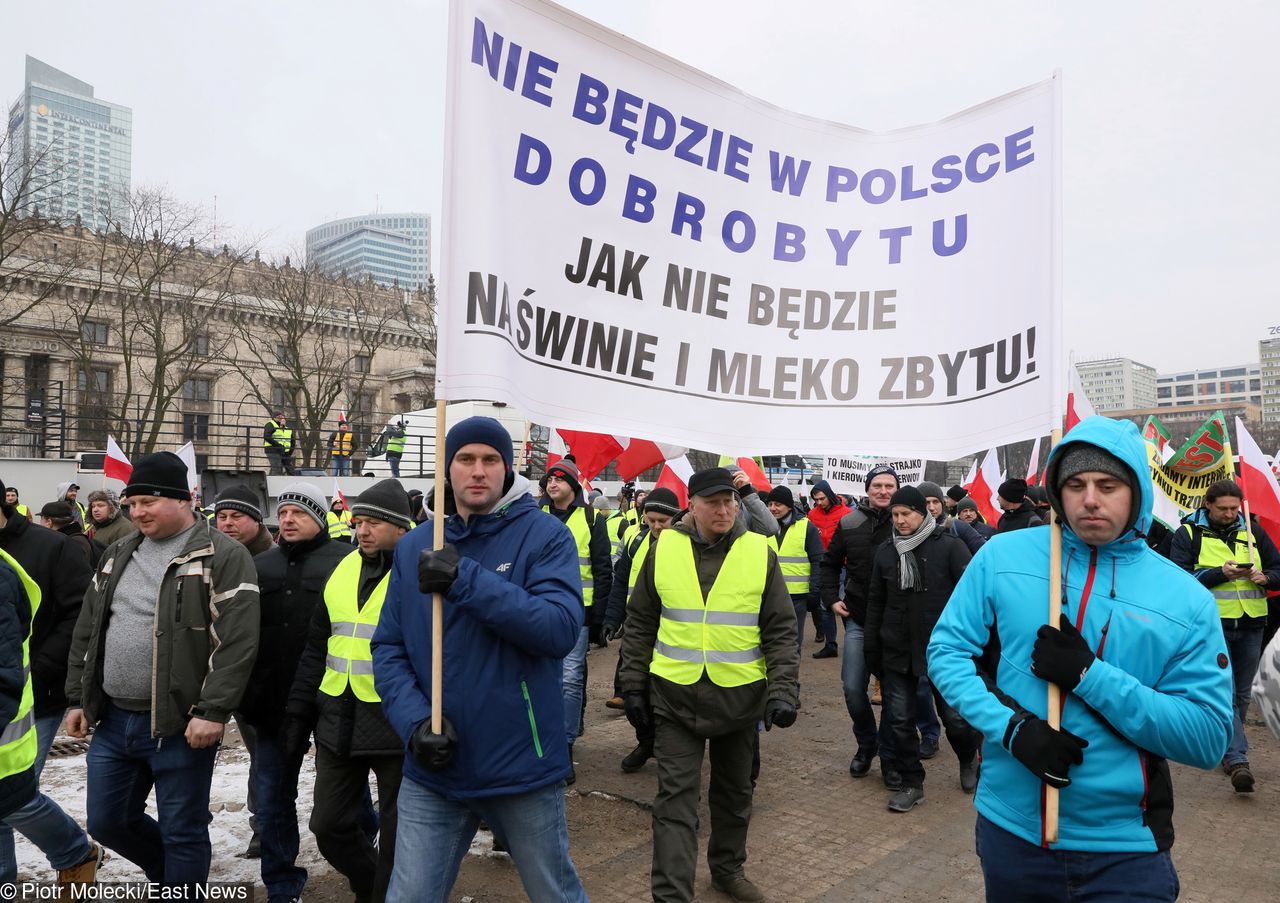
(675, 808)
(123, 764)
(339, 823)
(899, 692)
(1016, 871)
(276, 784)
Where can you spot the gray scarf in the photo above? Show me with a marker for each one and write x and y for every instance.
(908, 570)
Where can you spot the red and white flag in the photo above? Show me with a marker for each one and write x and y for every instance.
(1078, 406)
(972, 475)
(116, 465)
(337, 494)
(985, 483)
(675, 476)
(1033, 468)
(1257, 480)
(556, 449)
(592, 452)
(641, 454)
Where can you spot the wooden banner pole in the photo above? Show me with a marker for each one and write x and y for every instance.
(1055, 614)
(437, 600)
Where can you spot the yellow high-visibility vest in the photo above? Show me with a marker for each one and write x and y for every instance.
(1236, 598)
(636, 561)
(577, 524)
(339, 525)
(349, 661)
(793, 560)
(18, 737)
(280, 434)
(720, 635)
(342, 444)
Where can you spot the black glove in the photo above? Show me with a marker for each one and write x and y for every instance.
(295, 736)
(612, 631)
(1045, 752)
(438, 570)
(779, 712)
(1061, 656)
(596, 635)
(639, 712)
(434, 752)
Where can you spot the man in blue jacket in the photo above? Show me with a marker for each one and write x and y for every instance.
(1142, 665)
(512, 611)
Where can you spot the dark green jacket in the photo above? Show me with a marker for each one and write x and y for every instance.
(704, 707)
(205, 639)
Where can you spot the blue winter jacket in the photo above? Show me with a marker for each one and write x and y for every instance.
(511, 616)
(1159, 689)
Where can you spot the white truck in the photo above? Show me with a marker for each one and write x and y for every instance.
(420, 436)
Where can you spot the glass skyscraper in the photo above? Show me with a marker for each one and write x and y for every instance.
(74, 150)
(390, 247)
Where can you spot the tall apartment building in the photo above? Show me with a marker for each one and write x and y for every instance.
(76, 150)
(1117, 384)
(390, 247)
(1269, 372)
(1221, 386)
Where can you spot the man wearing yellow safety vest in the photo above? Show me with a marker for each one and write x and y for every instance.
(800, 553)
(277, 442)
(709, 651)
(1214, 546)
(11, 499)
(333, 692)
(340, 449)
(338, 521)
(660, 508)
(19, 600)
(564, 499)
(395, 434)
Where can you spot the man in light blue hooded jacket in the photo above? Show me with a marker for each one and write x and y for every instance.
(1142, 664)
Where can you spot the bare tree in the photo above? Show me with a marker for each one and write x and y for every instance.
(31, 267)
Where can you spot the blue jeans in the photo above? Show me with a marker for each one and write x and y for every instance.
(853, 674)
(277, 795)
(1015, 871)
(926, 712)
(901, 712)
(42, 821)
(828, 628)
(435, 833)
(342, 467)
(1245, 648)
(393, 461)
(574, 680)
(123, 764)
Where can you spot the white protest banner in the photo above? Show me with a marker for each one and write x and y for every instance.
(632, 246)
(848, 475)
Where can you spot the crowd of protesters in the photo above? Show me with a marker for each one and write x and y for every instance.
(150, 625)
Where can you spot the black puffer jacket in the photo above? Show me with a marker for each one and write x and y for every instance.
(852, 548)
(16, 790)
(291, 579)
(344, 725)
(1019, 519)
(62, 572)
(899, 621)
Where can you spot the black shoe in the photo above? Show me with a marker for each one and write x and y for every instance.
(861, 764)
(1241, 777)
(891, 776)
(906, 799)
(928, 747)
(969, 775)
(254, 849)
(826, 652)
(635, 759)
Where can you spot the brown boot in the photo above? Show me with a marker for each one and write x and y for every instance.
(83, 874)
(875, 691)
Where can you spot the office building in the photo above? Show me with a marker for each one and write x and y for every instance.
(1117, 383)
(1240, 383)
(72, 152)
(1269, 376)
(393, 248)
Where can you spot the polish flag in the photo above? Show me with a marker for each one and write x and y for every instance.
(556, 449)
(1033, 468)
(1078, 406)
(116, 465)
(972, 475)
(337, 494)
(753, 471)
(188, 455)
(985, 483)
(641, 454)
(675, 476)
(1259, 484)
(592, 452)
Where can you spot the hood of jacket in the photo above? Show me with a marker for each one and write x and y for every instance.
(1200, 518)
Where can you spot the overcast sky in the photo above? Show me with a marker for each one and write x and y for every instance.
(293, 113)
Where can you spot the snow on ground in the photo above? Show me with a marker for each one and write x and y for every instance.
(63, 781)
